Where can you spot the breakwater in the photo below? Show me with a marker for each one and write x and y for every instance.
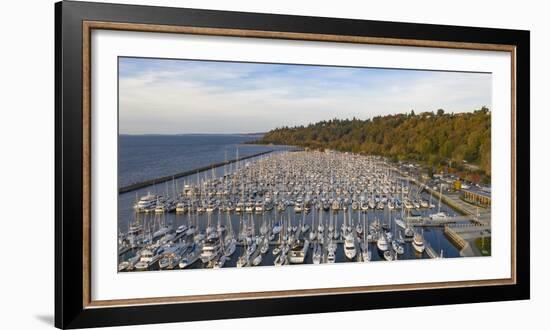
(146, 183)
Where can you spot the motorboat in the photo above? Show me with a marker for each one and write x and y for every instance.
(210, 250)
(418, 243)
(382, 242)
(181, 229)
(331, 257)
(259, 207)
(298, 252)
(147, 202)
(397, 247)
(242, 261)
(123, 266)
(388, 255)
(147, 258)
(349, 247)
(409, 233)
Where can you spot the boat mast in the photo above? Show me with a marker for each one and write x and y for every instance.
(440, 193)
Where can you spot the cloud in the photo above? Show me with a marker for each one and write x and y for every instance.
(181, 96)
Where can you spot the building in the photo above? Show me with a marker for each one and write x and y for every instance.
(477, 197)
(457, 185)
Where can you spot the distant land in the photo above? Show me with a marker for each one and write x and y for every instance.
(194, 134)
(432, 138)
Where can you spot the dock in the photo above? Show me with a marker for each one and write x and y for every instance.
(457, 221)
(464, 236)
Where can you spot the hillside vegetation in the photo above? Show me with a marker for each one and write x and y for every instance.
(430, 138)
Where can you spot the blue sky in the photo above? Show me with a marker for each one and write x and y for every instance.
(185, 96)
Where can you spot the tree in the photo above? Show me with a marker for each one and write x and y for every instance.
(424, 138)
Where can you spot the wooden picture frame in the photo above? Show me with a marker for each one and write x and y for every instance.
(74, 306)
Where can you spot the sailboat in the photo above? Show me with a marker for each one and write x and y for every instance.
(192, 256)
(430, 204)
(230, 243)
(304, 226)
(396, 247)
(400, 238)
(313, 232)
(244, 258)
(316, 254)
(365, 253)
(282, 257)
(257, 260)
(264, 246)
(400, 223)
(349, 242)
(439, 215)
(220, 262)
(409, 232)
(358, 227)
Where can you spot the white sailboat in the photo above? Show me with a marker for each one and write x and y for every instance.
(439, 215)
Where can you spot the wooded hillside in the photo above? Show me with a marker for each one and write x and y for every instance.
(428, 137)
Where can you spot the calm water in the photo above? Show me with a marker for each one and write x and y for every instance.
(146, 157)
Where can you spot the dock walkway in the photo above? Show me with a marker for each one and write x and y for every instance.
(429, 222)
(462, 235)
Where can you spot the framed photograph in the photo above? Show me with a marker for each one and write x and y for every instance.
(214, 164)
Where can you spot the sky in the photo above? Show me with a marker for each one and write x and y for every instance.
(159, 96)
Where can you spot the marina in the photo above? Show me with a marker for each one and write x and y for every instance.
(289, 207)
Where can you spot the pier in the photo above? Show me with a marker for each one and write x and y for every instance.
(429, 222)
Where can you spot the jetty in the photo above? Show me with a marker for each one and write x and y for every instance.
(150, 182)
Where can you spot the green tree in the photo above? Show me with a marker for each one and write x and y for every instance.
(432, 139)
